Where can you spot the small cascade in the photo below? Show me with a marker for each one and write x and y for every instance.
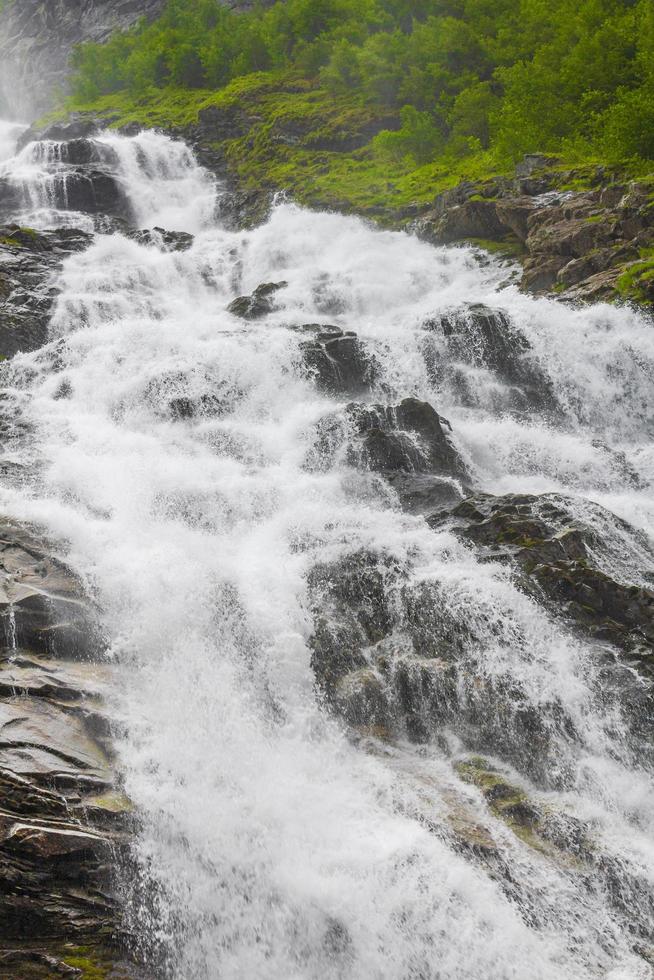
(90, 183)
(10, 632)
(10, 133)
(371, 534)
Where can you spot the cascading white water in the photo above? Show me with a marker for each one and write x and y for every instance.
(9, 135)
(163, 185)
(272, 846)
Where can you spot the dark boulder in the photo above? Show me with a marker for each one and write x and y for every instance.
(403, 657)
(339, 362)
(167, 241)
(411, 437)
(482, 338)
(567, 561)
(407, 444)
(85, 189)
(29, 263)
(80, 152)
(90, 191)
(259, 304)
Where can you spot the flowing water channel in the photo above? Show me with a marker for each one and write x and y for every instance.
(276, 840)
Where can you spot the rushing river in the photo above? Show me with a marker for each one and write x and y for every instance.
(273, 844)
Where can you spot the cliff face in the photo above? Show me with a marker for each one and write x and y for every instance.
(37, 38)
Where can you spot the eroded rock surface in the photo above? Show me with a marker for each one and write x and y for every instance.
(409, 445)
(29, 263)
(566, 560)
(472, 342)
(63, 818)
(338, 361)
(584, 244)
(405, 655)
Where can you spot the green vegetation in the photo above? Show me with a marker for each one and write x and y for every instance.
(279, 130)
(637, 282)
(451, 79)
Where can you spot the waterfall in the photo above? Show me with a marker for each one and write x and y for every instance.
(177, 447)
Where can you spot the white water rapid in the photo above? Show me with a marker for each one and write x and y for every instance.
(273, 844)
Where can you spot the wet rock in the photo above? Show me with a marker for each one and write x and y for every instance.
(508, 802)
(238, 209)
(423, 493)
(62, 828)
(564, 559)
(409, 437)
(486, 339)
(353, 611)
(259, 304)
(396, 654)
(36, 843)
(167, 241)
(340, 363)
(408, 444)
(85, 189)
(79, 152)
(92, 192)
(29, 263)
(41, 602)
(47, 744)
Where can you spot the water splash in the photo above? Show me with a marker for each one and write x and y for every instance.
(272, 844)
(157, 174)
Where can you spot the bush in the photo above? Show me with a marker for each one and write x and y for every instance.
(512, 76)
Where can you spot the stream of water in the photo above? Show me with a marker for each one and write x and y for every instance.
(273, 843)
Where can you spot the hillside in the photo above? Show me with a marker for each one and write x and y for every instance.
(375, 107)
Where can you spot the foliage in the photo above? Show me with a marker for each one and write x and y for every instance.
(460, 76)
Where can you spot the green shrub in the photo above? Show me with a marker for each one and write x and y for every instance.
(509, 76)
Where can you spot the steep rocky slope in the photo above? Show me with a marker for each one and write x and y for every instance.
(36, 40)
(403, 652)
(583, 232)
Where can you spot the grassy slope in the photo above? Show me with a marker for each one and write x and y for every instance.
(277, 131)
(302, 139)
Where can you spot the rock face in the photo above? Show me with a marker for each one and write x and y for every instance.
(77, 175)
(584, 244)
(338, 361)
(37, 39)
(395, 654)
(560, 557)
(407, 444)
(473, 341)
(29, 262)
(63, 820)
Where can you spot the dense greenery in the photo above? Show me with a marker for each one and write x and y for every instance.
(452, 78)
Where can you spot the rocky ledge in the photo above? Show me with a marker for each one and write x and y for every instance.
(584, 234)
(63, 819)
(29, 262)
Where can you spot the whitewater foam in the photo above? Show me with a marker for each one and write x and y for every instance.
(272, 845)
